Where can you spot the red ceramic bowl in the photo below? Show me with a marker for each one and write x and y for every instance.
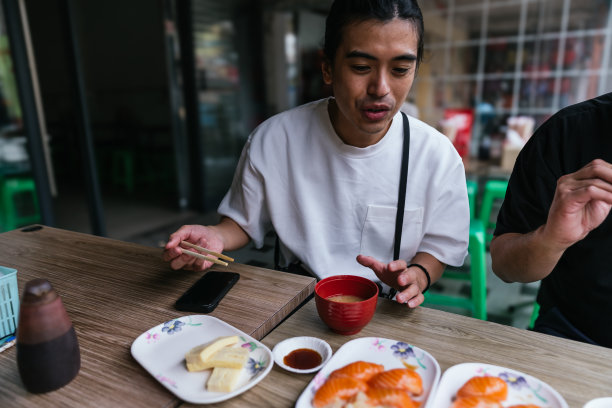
(346, 317)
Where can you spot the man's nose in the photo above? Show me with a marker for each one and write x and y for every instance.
(379, 85)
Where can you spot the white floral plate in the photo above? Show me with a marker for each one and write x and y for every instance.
(390, 353)
(522, 388)
(161, 351)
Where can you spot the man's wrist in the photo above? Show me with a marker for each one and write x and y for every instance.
(547, 246)
(425, 272)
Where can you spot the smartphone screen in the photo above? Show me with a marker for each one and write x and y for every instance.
(205, 294)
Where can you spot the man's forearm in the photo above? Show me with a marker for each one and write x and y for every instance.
(523, 257)
(231, 234)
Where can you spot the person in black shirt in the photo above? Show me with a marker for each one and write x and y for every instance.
(555, 224)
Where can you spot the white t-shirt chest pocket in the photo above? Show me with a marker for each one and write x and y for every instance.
(379, 231)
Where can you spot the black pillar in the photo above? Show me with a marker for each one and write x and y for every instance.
(84, 135)
(190, 97)
(175, 80)
(31, 118)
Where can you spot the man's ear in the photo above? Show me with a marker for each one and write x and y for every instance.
(326, 69)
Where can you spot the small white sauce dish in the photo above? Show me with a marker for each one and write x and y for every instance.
(605, 402)
(286, 346)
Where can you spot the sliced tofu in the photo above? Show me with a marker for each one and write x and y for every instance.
(223, 379)
(196, 358)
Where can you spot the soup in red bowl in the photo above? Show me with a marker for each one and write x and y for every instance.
(346, 303)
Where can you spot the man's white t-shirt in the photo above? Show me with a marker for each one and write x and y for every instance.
(329, 202)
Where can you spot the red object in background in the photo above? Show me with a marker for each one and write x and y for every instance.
(462, 120)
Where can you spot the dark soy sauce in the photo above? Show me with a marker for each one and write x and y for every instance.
(303, 359)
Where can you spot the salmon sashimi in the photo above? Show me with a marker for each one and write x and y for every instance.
(359, 370)
(390, 398)
(400, 379)
(492, 387)
(337, 388)
(476, 402)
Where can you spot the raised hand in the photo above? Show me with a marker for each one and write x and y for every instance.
(581, 203)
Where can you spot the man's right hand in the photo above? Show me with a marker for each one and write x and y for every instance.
(581, 203)
(206, 237)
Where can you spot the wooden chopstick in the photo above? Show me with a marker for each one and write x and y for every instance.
(208, 258)
(208, 251)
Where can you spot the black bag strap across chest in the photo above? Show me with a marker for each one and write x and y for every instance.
(401, 197)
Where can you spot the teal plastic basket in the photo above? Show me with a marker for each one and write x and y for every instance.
(9, 302)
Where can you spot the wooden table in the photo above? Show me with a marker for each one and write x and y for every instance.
(578, 371)
(113, 291)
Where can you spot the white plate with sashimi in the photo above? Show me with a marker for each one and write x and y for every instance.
(379, 370)
(519, 389)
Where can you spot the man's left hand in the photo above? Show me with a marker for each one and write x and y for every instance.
(398, 276)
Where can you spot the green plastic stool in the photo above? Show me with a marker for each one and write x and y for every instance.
(534, 315)
(18, 202)
(477, 303)
(472, 190)
(122, 169)
(494, 190)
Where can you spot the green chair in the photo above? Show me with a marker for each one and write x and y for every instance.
(472, 189)
(534, 315)
(494, 190)
(477, 303)
(18, 203)
(122, 169)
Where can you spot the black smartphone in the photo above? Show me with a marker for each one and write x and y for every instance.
(205, 294)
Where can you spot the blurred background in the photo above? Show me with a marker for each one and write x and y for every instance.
(126, 118)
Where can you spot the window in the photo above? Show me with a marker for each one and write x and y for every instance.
(516, 57)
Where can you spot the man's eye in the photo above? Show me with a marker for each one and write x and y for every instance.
(401, 71)
(361, 68)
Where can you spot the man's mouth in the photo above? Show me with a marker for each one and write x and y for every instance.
(375, 113)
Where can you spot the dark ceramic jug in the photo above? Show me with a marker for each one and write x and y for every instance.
(48, 355)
